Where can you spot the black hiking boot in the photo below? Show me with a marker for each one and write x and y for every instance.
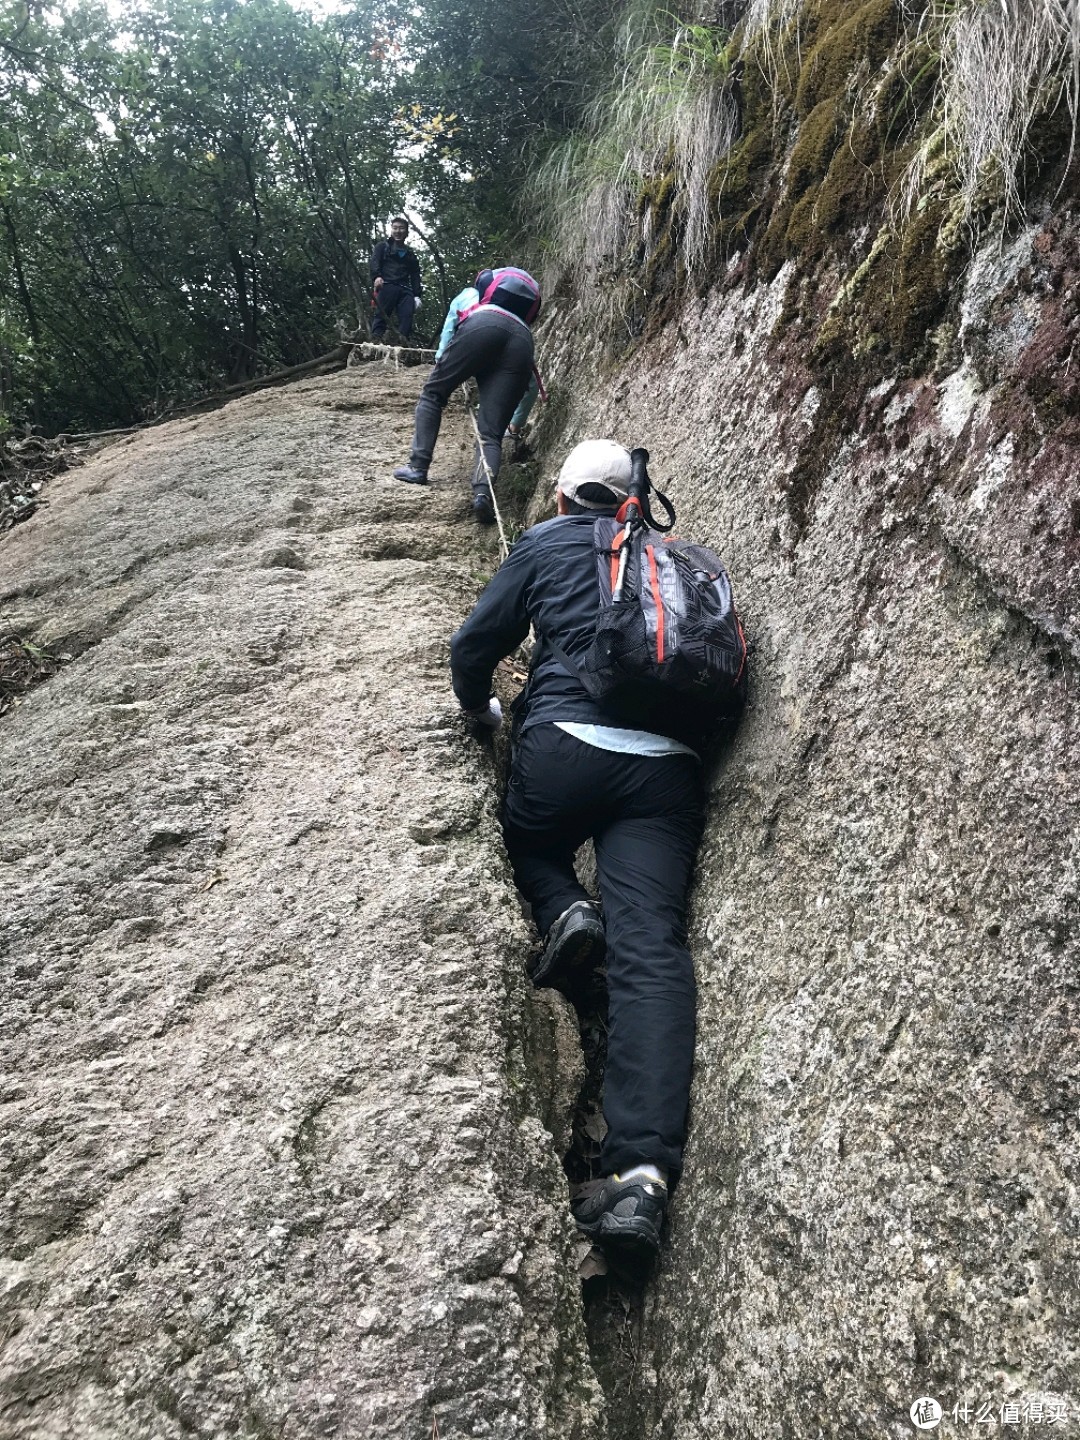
(411, 474)
(622, 1215)
(482, 507)
(574, 942)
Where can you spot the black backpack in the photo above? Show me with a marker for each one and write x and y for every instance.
(666, 629)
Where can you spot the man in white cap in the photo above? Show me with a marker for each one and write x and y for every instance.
(578, 773)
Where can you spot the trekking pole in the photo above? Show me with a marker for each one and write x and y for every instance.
(639, 479)
(641, 486)
(527, 649)
(633, 511)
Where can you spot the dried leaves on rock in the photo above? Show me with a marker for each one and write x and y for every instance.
(25, 466)
(22, 664)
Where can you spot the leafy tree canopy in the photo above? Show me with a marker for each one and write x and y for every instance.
(190, 189)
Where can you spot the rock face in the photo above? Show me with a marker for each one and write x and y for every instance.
(274, 1094)
(880, 1200)
(281, 1123)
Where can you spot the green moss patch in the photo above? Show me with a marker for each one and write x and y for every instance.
(855, 116)
(905, 95)
(852, 46)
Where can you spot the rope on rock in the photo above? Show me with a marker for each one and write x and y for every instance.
(527, 648)
(369, 349)
(504, 544)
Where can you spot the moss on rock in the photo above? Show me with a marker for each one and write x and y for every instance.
(832, 119)
(818, 137)
(905, 93)
(851, 45)
(857, 128)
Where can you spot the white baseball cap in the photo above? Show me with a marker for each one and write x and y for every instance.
(596, 474)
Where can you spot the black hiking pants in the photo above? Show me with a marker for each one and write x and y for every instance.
(645, 816)
(497, 352)
(393, 302)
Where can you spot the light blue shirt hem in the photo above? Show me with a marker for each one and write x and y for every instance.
(625, 742)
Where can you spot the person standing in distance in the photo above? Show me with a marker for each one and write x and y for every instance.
(395, 280)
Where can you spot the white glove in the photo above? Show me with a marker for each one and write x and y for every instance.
(490, 717)
(416, 302)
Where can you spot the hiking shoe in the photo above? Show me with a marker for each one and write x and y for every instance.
(411, 475)
(482, 508)
(624, 1215)
(575, 941)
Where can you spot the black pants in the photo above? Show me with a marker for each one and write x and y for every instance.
(393, 300)
(497, 352)
(644, 815)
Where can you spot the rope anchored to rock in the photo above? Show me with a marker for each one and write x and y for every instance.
(503, 542)
(400, 354)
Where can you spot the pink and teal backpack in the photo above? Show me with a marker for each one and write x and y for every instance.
(510, 289)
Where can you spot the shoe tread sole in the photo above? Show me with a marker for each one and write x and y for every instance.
(632, 1233)
(577, 950)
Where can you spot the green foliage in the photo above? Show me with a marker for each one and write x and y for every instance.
(189, 191)
(517, 76)
(182, 198)
(614, 196)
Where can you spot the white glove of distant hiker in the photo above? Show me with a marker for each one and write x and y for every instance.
(490, 718)
(416, 302)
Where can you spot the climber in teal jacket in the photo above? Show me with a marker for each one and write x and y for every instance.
(461, 302)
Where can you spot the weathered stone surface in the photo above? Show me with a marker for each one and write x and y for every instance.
(281, 1122)
(880, 1200)
(273, 1090)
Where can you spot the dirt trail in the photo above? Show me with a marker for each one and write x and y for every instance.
(271, 1086)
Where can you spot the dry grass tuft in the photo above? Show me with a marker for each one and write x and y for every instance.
(22, 665)
(1003, 62)
(766, 22)
(668, 119)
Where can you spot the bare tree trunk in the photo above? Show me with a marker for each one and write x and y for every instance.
(20, 278)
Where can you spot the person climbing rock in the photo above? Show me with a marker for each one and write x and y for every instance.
(577, 773)
(395, 279)
(491, 343)
(462, 302)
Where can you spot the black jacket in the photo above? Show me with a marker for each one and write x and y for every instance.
(397, 264)
(549, 579)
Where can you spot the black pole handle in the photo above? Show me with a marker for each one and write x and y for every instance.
(641, 485)
(639, 475)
